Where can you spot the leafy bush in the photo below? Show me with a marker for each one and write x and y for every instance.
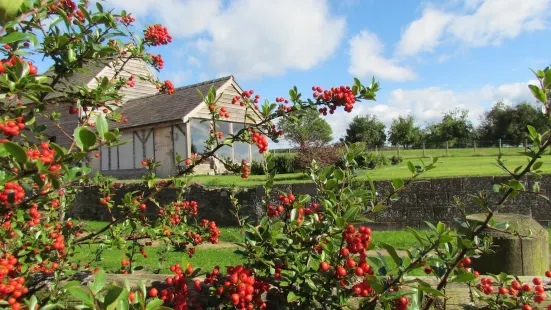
(257, 168)
(395, 160)
(325, 156)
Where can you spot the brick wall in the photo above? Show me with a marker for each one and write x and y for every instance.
(427, 200)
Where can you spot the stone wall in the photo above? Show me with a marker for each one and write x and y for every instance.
(427, 200)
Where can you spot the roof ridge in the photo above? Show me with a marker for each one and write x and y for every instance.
(185, 87)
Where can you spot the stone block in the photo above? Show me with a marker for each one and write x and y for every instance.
(442, 214)
(431, 199)
(405, 200)
(477, 184)
(446, 185)
(524, 255)
(419, 214)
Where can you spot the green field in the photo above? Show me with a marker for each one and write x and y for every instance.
(210, 256)
(205, 258)
(452, 166)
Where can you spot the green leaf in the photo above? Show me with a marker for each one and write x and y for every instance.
(12, 37)
(532, 131)
(397, 183)
(411, 167)
(339, 174)
(547, 78)
(99, 282)
(464, 277)
(101, 125)
(114, 294)
(87, 137)
(15, 151)
(537, 165)
(516, 185)
(291, 297)
(331, 184)
(431, 291)
(154, 304)
(351, 213)
(392, 252)
(538, 93)
(80, 294)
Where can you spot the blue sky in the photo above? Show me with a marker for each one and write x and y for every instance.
(430, 56)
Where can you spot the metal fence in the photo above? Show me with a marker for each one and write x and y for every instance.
(455, 148)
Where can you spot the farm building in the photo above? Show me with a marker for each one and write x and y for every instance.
(159, 126)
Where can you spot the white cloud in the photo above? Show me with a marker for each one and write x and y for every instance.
(366, 59)
(429, 104)
(193, 61)
(482, 23)
(180, 78)
(273, 36)
(423, 35)
(496, 20)
(181, 17)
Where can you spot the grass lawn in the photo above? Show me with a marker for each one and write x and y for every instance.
(446, 167)
(208, 257)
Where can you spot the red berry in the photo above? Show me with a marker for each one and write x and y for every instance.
(153, 292)
(428, 270)
(526, 307)
(324, 266)
(536, 281)
(359, 271)
(341, 271)
(548, 273)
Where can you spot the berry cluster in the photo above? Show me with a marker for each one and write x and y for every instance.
(281, 100)
(224, 113)
(131, 82)
(46, 156)
(178, 293)
(13, 61)
(167, 87)
(35, 215)
(11, 289)
(335, 97)
(12, 128)
(212, 230)
(244, 169)
(73, 110)
(157, 35)
(354, 254)
(517, 291)
(158, 61)
(260, 141)
(125, 20)
(240, 285)
(13, 193)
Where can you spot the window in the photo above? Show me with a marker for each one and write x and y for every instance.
(240, 149)
(180, 140)
(225, 151)
(200, 130)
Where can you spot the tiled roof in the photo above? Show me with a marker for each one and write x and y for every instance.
(83, 77)
(162, 108)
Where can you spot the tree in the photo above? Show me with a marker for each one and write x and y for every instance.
(509, 123)
(306, 129)
(368, 129)
(455, 126)
(403, 131)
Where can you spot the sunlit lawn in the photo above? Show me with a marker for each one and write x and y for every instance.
(446, 167)
(209, 257)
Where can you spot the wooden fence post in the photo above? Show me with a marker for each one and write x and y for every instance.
(500, 146)
(447, 149)
(423, 149)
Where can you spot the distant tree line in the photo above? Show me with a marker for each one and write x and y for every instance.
(506, 122)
